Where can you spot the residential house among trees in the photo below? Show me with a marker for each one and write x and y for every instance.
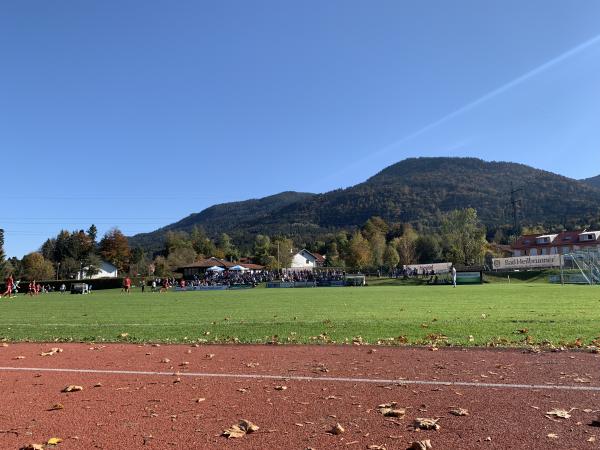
(105, 270)
(307, 260)
(558, 243)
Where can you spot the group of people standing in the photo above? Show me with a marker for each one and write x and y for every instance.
(33, 288)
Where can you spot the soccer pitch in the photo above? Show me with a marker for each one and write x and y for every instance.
(500, 314)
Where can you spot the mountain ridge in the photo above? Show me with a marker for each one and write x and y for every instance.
(414, 190)
(592, 181)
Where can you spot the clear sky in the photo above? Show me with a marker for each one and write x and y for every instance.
(136, 113)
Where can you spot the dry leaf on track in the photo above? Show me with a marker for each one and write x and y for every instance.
(280, 388)
(337, 429)
(459, 412)
(240, 430)
(73, 388)
(563, 414)
(552, 435)
(54, 441)
(426, 424)
(390, 410)
(56, 407)
(376, 447)
(52, 351)
(421, 445)
(33, 447)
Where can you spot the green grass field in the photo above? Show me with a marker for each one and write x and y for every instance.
(468, 315)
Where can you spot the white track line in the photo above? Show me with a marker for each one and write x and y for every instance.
(557, 387)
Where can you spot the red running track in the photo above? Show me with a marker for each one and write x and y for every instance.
(144, 396)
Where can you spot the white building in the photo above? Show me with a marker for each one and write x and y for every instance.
(307, 260)
(106, 270)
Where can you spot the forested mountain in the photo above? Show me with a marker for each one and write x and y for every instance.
(594, 181)
(415, 190)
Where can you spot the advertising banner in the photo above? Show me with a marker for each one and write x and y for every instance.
(437, 267)
(526, 262)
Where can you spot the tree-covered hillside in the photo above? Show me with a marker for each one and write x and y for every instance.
(416, 191)
(593, 181)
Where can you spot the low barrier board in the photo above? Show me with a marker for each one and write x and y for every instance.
(526, 262)
(469, 278)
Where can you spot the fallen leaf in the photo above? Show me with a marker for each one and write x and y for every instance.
(337, 429)
(19, 357)
(56, 407)
(421, 445)
(390, 410)
(54, 441)
(33, 447)
(280, 388)
(581, 380)
(552, 436)
(240, 430)
(592, 439)
(559, 413)
(459, 412)
(165, 360)
(52, 351)
(426, 424)
(376, 447)
(73, 388)
(124, 335)
(200, 400)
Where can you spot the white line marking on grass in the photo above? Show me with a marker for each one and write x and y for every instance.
(308, 378)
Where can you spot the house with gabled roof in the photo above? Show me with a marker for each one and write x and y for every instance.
(307, 260)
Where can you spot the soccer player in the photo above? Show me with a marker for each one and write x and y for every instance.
(127, 285)
(9, 286)
(453, 276)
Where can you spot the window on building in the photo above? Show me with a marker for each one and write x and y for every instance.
(533, 252)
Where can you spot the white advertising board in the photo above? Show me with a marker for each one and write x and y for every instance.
(437, 267)
(526, 262)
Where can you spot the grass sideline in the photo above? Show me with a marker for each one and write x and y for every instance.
(492, 314)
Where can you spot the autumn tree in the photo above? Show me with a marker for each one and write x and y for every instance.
(359, 252)
(332, 255)
(114, 248)
(262, 251)
(36, 267)
(465, 236)
(406, 245)
(180, 257)
(281, 249)
(390, 257)
(201, 243)
(428, 249)
(227, 248)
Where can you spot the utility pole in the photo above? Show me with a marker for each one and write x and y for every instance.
(515, 203)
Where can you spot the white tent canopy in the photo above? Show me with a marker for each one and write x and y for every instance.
(238, 268)
(215, 269)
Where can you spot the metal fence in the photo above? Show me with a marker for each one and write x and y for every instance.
(582, 267)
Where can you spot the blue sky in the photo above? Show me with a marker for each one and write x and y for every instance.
(135, 114)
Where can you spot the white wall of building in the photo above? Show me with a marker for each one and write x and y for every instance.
(107, 270)
(303, 259)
